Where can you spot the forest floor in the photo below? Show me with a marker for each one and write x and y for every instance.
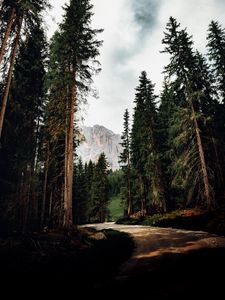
(120, 261)
(84, 250)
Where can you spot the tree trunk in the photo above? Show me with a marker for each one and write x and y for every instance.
(9, 77)
(34, 200)
(50, 210)
(208, 194)
(130, 209)
(160, 201)
(66, 157)
(160, 188)
(68, 196)
(7, 34)
(143, 200)
(45, 189)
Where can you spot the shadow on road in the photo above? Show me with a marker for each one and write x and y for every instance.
(192, 275)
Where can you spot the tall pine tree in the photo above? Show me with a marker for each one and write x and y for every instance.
(182, 69)
(75, 51)
(125, 160)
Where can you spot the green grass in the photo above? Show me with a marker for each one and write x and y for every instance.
(115, 209)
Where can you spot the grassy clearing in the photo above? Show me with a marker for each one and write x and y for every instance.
(115, 209)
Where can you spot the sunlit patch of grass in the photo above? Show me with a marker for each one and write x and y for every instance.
(115, 209)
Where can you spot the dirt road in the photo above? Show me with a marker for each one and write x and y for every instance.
(171, 261)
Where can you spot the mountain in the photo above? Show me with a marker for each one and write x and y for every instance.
(98, 139)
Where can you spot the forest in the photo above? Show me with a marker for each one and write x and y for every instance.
(173, 153)
(173, 143)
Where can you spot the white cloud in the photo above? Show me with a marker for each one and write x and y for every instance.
(127, 51)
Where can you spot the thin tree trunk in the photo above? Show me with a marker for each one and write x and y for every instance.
(50, 211)
(45, 189)
(7, 34)
(143, 206)
(34, 199)
(66, 157)
(68, 216)
(9, 77)
(209, 197)
(25, 201)
(21, 201)
(36, 145)
(129, 210)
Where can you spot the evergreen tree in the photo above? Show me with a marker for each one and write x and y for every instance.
(139, 151)
(81, 199)
(99, 190)
(74, 48)
(116, 183)
(216, 48)
(125, 160)
(19, 16)
(153, 164)
(182, 70)
(144, 148)
(89, 173)
(23, 118)
(165, 114)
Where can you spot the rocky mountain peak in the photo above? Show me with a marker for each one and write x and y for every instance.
(98, 139)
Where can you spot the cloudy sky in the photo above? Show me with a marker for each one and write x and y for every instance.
(133, 30)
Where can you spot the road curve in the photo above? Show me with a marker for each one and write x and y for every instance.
(156, 246)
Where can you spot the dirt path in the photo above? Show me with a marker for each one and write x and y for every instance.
(180, 259)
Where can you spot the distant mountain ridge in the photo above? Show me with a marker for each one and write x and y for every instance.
(98, 139)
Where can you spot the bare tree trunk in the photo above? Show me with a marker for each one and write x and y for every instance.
(143, 202)
(36, 145)
(66, 157)
(208, 194)
(68, 216)
(7, 34)
(9, 77)
(45, 189)
(50, 210)
(130, 209)
(34, 200)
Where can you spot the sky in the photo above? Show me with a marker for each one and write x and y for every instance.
(133, 31)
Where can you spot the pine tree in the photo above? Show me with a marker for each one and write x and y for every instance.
(153, 168)
(144, 148)
(23, 118)
(182, 70)
(125, 160)
(80, 203)
(99, 190)
(139, 150)
(216, 48)
(89, 173)
(74, 49)
(21, 16)
(165, 114)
